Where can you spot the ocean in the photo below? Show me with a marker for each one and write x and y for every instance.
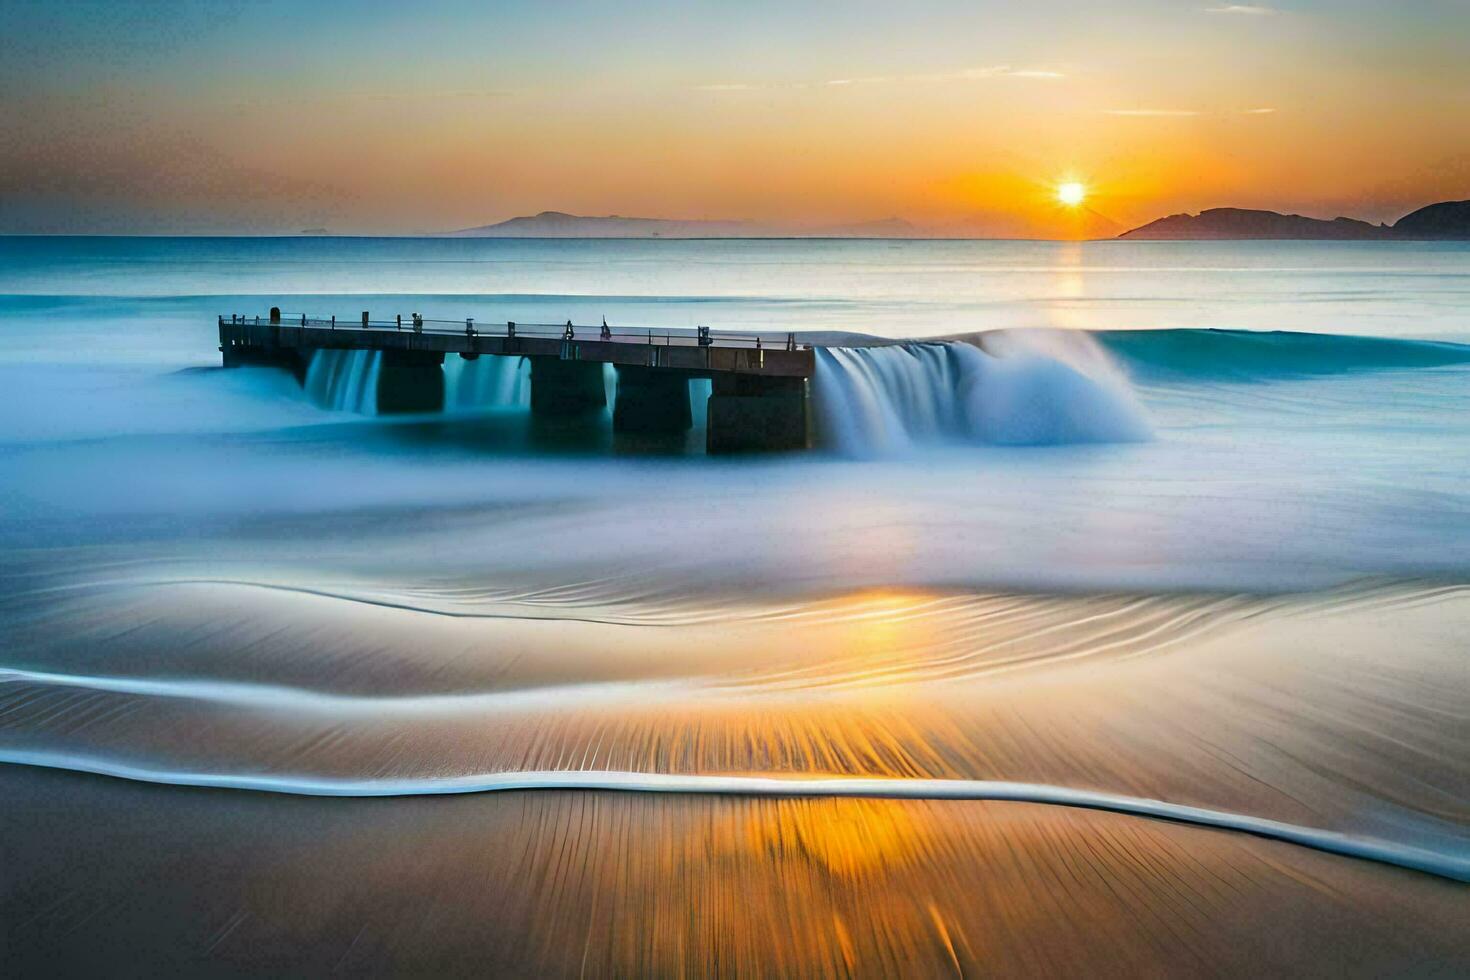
(1116, 620)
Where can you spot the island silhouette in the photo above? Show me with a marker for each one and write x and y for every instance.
(559, 224)
(1445, 220)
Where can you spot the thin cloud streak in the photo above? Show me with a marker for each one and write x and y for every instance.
(1245, 9)
(1184, 113)
(1152, 112)
(963, 75)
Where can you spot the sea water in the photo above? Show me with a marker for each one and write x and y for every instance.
(1173, 529)
(1056, 386)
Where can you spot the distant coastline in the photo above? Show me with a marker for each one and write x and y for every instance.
(1447, 220)
(559, 224)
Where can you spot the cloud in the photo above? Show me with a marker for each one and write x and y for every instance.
(1151, 112)
(974, 74)
(1246, 9)
(1185, 113)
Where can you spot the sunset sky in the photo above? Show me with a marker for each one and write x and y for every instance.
(963, 117)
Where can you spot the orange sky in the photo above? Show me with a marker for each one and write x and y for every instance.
(958, 117)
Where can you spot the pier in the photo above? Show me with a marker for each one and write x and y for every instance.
(758, 399)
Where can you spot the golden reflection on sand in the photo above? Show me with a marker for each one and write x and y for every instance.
(602, 884)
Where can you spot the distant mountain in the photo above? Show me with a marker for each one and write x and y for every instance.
(558, 224)
(1450, 219)
(1227, 223)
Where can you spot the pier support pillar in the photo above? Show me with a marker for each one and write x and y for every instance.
(751, 413)
(561, 388)
(651, 400)
(410, 381)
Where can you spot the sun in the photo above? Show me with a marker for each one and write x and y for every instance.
(1071, 193)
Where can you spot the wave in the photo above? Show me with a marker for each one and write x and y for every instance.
(344, 380)
(1012, 388)
(1454, 867)
(1245, 355)
(1027, 387)
(347, 381)
(486, 382)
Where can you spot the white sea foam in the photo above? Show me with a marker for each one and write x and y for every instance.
(1031, 388)
(1455, 867)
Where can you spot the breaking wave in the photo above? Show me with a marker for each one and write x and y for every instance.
(1029, 387)
(1012, 388)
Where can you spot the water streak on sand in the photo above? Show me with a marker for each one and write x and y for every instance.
(1455, 867)
(279, 697)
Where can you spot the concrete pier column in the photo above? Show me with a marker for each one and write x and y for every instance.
(753, 413)
(650, 400)
(410, 381)
(562, 388)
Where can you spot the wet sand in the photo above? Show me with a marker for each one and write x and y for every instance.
(114, 877)
(1337, 712)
